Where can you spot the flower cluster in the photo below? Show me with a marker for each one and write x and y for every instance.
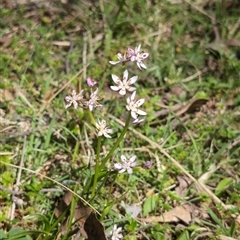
(133, 55)
(78, 100)
(123, 86)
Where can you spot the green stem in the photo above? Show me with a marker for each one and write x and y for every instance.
(97, 169)
(109, 155)
(91, 117)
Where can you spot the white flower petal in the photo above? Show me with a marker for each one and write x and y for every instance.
(106, 135)
(133, 58)
(118, 166)
(143, 65)
(140, 102)
(114, 88)
(130, 171)
(68, 105)
(132, 80)
(123, 158)
(133, 158)
(75, 104)
(120, 56)
(114, 62)
(131, 89)
(116, 79)
(122, 170)
(125, 74)
(145, 55)
(139, 65)
(130, 52)
(90, 107)
(141, 112)
(137, 50)
(68, 98)
(122, 91)
(133, 95)
(134, 115)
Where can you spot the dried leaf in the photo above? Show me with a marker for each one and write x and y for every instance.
(6, 40)
(90, 227)
(184, 182)
(183, 213)
(223, 237)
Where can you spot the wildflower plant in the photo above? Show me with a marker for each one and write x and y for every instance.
(126, 89)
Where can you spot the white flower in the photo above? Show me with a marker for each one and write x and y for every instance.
(133, 53)
(74, 99)
(133, 106)
(115, 233)
(121, 58)
(126, 165)
(136, 55)
(139, 59)
(91, 82)
(92, 102)
(103, 129)
(124, 85)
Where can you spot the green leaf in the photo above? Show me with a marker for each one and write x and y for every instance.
(223, 185)
(214, 216)
(21, 234)
(3, 236)
(18, 234)
(150, 204)
(217, 220)
(184, 236)
(232, 229)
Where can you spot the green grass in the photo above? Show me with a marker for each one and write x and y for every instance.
(48, 51)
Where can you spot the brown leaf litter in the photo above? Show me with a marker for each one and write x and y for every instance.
(89, 226)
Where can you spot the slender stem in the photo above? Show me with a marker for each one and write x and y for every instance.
(91, 117)
(97, 170)
(109, 155)
(109, 202)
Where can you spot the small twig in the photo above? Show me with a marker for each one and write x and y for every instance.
(13, 192)
(197, 74)
(84, 56)
(67, 68)
(16, 135)
(18, 179)
(44, 190)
